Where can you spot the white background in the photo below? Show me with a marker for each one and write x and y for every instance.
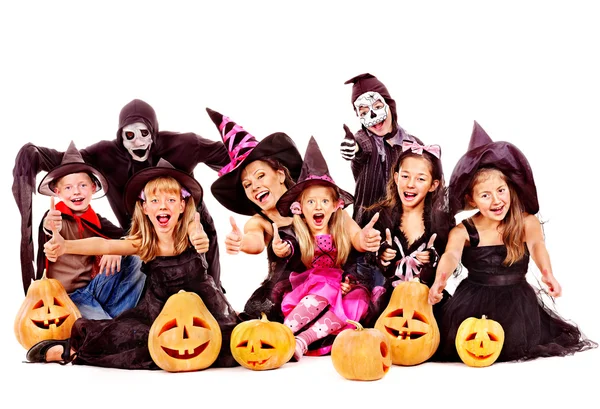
(527, 72)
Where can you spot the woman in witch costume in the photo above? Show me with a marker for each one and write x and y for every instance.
(259, 173)
(323, 296)
(495, 245)
(163, 203)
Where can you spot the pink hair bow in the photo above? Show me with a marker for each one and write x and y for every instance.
(417, 148)
(184, 193)
(296, 208)
(413, 266)
(340, 204)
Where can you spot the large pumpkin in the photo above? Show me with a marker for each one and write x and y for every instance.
(361, 354)
(46, 313)
(409, 323)
(260, 344)
(479, 341)
(185, 336)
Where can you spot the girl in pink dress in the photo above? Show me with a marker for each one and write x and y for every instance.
(323, 297)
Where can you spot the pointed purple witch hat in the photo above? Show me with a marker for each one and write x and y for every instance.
(314, 172)
(484, 153)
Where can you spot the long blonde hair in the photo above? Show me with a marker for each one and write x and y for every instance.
(142, 228)
(513, 225)
(340, 238)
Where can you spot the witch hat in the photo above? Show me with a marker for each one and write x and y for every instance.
(244, 149)
(314, 171)
(72, 162)
(484, 153)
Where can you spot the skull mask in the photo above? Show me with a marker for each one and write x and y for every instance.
(371, 108)
(137, 139)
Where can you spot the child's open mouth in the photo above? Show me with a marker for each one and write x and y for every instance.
(497, 210)
(77, 201)
(163, 219)
(409, 196)
(319, 218)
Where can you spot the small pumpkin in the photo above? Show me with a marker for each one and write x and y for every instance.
(185, 336)
(46, 313)
(479, 341)
(361, 354)
(261, 344)
(409, 323)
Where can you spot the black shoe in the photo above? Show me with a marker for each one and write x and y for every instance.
(37, 353)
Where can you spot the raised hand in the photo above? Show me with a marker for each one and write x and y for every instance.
(233, 240)
(198, 237)
(423, 256)
(348, 147)
(435, 292)
(370, 238)
(554, 288)
(55, 247)
(53, 216)
(281, 248)
(389, 254)
(346, 286)
(110, 265)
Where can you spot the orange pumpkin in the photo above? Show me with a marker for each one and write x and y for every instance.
(479, 341)
(185, 336)
(361, 354)
(261, 344)
(46, 313)
(409, 323)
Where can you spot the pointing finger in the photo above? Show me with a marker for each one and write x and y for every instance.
(388, 236)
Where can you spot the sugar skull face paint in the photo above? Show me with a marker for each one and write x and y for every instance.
(371, 108)
(137, 139)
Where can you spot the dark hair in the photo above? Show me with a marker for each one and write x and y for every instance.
(275, 165)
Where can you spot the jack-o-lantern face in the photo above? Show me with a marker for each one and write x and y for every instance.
(46, 313)
(361, 354)
(479, 341)
(409, 324)
(185, 336)
(261, 344)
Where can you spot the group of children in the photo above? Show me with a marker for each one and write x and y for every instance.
(325, 266)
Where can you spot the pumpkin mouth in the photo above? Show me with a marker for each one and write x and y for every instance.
(45, 324)
(255, 363)
(479, 356)
(404, 334)
(174, 353)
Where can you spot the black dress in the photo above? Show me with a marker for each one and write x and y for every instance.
(500, 292)
(267, 298)
(122, 342)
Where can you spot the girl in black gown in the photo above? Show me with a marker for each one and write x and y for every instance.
(495, 245)
(162, 201)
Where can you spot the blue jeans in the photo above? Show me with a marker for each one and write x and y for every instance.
(106, 296)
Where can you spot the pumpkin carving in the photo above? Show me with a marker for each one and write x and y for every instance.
(260, 344)
(361, 354)
(185, 336)
(479, 341)
(46, 313)
(409, 323)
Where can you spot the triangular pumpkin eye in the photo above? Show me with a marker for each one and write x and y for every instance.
(168, 326)
(57, 302)
(38, 304)
(199, 322)
(266, 345)
(492, 336)
(396, 313)
(471, 336)
(419, 317)
(243, 344)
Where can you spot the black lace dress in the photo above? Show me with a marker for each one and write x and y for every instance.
(500, 292)
(122, 342)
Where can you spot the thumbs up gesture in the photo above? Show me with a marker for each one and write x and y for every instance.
(233, 240)
(53, 216)
(424, 256)
(281, 248)
(389, 253)
(348, 147)
(370, 238)
(56, 246)
(198, 236)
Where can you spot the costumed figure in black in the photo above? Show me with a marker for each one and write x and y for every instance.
(259, 173)
(162, 200)
(494, 245)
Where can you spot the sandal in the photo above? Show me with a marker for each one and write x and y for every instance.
(37, 353)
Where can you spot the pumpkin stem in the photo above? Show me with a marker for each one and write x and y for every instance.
(263, 317)
(484, 317)
(356, 324)
(44, 275)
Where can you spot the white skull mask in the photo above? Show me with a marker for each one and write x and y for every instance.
(371, 108)
(137, 139)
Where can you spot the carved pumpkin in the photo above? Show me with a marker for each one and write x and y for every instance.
(185, 336)
(260, 344)
(46, 313)
(409, 323)
(479, 341)
(361, 354)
